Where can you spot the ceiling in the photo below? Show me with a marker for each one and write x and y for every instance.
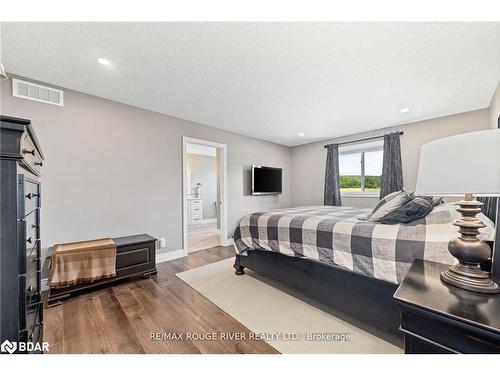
(269, 80)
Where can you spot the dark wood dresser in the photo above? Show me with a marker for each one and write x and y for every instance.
(20, 264)
(437, 318)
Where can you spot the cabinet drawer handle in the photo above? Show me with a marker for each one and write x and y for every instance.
(29, 240)
(39, 163)
(32, 195)
(32, 152)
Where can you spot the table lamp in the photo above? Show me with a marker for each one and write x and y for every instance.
(466, 164)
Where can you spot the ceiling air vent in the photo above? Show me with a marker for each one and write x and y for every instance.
(38, 93)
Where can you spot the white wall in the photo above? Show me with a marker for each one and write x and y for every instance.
(204, 170)
(495, 108)
(308, 161)
(114, 170)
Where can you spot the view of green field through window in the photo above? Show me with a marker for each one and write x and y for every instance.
(360, 172)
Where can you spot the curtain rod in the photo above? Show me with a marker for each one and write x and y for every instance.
(363, 139)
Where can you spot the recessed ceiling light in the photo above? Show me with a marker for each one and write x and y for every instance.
(301, 134)
(404, 110)
(103, 61)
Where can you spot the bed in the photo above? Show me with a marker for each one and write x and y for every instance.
(335, 257)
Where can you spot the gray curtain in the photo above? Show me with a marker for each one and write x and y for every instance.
(489, 207)
(392, 170)
(332, 183)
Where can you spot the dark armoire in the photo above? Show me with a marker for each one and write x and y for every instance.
(21, 312)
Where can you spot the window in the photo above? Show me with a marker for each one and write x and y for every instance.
(360, 167)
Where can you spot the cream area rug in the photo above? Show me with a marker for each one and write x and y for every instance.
(285, 322)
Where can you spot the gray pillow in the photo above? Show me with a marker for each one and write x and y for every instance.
(436, 201)
(412, 210)
(388, 203)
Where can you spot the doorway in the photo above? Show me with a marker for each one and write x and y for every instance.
(204, 194)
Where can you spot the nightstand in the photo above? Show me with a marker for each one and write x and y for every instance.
(437, 318)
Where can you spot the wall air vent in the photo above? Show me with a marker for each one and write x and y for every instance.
(37, 93)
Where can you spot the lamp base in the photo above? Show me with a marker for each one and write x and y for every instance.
(470, 252)
(470, 278)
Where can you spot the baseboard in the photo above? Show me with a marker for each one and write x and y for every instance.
(160, 258)
(208, 221)
(169, 255)
(227, 242)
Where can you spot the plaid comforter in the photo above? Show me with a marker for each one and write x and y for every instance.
(339, 235)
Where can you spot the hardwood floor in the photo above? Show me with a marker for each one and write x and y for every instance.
(120, 318)
(203, 236)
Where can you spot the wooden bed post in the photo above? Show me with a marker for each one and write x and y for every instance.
(239, 269)
(495, 258)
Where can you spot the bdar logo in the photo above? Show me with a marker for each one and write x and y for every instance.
(8, 347)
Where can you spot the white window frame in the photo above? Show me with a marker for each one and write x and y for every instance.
(362, 151)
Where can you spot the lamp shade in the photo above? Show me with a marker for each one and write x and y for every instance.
(465, 163)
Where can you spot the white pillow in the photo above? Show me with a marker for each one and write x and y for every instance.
(388, 203)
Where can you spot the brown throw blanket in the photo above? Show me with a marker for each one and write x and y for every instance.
(82, 262)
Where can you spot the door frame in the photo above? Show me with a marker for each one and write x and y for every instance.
(224, 241)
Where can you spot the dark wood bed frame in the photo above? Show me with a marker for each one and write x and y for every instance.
(360, 299)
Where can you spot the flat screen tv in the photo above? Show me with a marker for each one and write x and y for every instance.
(266, 180)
